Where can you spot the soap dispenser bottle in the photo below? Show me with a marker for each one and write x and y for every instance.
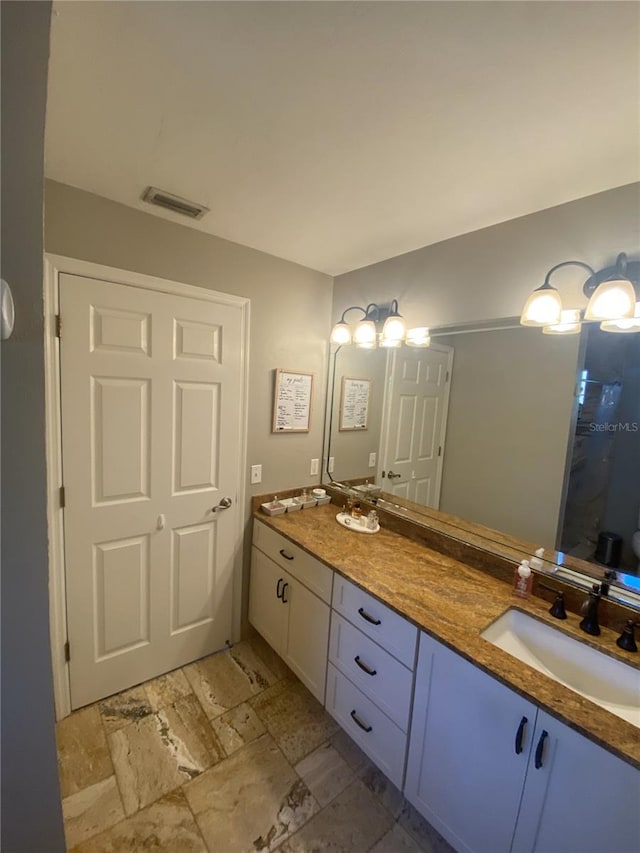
(523, 580)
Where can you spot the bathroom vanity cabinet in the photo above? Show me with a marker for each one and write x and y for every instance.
(492, 772)
(289, 604)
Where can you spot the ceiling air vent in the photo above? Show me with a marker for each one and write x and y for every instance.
(174, 203)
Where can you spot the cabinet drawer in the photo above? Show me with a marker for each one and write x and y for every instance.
(384, 679)
(377, 621)
(373, 731)
(305, 568)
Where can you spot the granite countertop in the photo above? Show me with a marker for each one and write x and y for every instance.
(454, 602)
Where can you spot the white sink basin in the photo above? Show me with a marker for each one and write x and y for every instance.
(604, 680)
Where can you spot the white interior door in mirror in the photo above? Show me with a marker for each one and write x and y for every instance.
(151, 386)
(415, 426)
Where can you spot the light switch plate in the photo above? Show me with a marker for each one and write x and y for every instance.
(315, 467)
(256, 474)
(372, 460)
(332, 464)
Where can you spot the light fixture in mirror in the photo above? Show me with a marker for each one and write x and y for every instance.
(569, 324)
(623, 326)
(418, 337)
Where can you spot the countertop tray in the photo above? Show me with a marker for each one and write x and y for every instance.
(358, 525)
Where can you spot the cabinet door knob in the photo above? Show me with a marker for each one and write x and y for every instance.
(284, 589)
(520, 735)
(285, 555)
(356, 719)
(368, 617)
(278, 590)
(364, 667)
(540, 749)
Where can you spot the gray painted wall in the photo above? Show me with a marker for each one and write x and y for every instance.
(31, 812)
(508, 428)
(489, 273)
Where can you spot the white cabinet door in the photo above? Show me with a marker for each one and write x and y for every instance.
(293, 620)
(306, 636)
(265, 606)
(578, 797)
(467, 765)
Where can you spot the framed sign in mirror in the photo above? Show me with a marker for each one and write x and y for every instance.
(292, 401)
(354, 403)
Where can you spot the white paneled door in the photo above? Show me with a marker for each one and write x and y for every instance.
(418, 399)
(151, 399)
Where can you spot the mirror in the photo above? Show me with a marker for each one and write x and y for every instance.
(531, 448)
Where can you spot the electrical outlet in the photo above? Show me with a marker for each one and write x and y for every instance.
(372, 460)
(314, 470)
(256, 474)
(332, 464)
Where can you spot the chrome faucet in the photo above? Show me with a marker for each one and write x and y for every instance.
(590, 607)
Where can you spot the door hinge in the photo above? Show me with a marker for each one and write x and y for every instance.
(67, 652)
(63, 497)
(440, 450)
(446, 378)
(58, 326)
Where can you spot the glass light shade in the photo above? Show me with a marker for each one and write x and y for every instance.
(569, 324)
(612, 300)
(623, 326)
(393, 329)
(340, 334)
(418, 337)
(542, 308)
(365, 332)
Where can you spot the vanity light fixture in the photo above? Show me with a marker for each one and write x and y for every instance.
(612, 300)
(365, 334)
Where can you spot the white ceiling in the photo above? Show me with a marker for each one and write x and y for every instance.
(337, 134)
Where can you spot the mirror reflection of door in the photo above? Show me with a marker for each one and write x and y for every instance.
(414, 429)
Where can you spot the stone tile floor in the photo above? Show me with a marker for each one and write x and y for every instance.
(226, 755)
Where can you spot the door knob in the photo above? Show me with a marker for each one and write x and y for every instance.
(392, 476)
(225, 503)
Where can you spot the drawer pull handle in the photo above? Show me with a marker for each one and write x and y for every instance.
(520, 735)
(540, 749)
(364, 667)
(284, 589)
(278, 590)
(285, 555)
(368, 617)
(356, 719)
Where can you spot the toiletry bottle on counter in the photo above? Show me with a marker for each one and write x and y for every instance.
(523, 580)
(356, 510)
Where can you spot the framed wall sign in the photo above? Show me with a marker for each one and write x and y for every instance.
(354, 403)
(292, 401)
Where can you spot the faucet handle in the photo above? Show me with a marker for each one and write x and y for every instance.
(627, 640)
(557, 608)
